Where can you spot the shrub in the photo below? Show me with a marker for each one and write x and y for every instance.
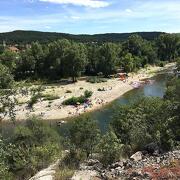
(88, 94)
(68, 91)
(6, 78)
(49, 97)
(75, 100)
(33, 100)
(161, 63)
(95, 79)
(34, 146)
(110, 148)
(81, 99)
(99, 89)
(83, 135)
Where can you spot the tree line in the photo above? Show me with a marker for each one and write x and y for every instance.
(65, 58)
(22, 38)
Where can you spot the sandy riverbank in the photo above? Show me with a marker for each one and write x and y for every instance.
(114, 88)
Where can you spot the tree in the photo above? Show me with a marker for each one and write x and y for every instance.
(1, 49)
(178, 64)
(8, 58)
(134, 45)
(4, 168)
(38, 55)
(33, 147)
(128, 62)
(25, 65)
(168, 47)
(143, 122)
(74, 61)
(84, 134)
(54, 65)
(107, 58)
(110, 148)
(6, 78)
(92, 56)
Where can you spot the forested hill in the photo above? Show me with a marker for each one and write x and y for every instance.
(43, 37)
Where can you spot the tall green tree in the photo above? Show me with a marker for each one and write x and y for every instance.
(168, 47)
(74, 61)
(108, 58)
(6, 78)
(110, 147)
(84, 134)
(8, 58)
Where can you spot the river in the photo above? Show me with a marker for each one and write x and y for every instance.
(103, 116)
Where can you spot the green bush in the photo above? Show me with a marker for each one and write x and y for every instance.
(68, 91)
(75, 100)
(49, 97)
(33, 147)
(6, 78)
(80, 99)
(161, 63)
(95, 79)
(83, 135)
(110, 148)
(88, 94)
(34, 99)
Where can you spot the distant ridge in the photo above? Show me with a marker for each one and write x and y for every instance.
(24, 37)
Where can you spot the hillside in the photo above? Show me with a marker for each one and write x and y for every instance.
(24, 37)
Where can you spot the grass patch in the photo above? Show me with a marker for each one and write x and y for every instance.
(64, 173)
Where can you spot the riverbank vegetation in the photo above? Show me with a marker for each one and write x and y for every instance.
(64, 58)
(142, 125)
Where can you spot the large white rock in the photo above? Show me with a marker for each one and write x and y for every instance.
(137, 156)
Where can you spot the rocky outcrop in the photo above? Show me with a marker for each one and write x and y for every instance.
(140, 166)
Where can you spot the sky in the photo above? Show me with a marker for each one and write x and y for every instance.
(90, 16)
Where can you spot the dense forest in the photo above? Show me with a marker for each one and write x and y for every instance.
(26, 37)
(147, 122)
(65, 58)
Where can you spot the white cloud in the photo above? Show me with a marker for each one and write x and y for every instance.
(86, 3)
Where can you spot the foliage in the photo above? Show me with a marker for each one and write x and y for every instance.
(88, 94)
(81, 99)
(96, 79)
(9, 59)
(68, 91)
(83, 135)
(6, 78)
(8, 102)
(4, 168)
(178, 64)
(49, 97)
(167, 47)
(145, 121)
(108, 58)
(110, 148)
(32, 148)
(34, 99)
(27, 37)
(65, 58)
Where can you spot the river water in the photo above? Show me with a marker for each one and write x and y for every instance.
(103, 116)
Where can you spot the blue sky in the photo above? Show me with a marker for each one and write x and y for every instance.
(90, 16)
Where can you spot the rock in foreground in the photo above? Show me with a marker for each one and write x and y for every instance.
(140, 167)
